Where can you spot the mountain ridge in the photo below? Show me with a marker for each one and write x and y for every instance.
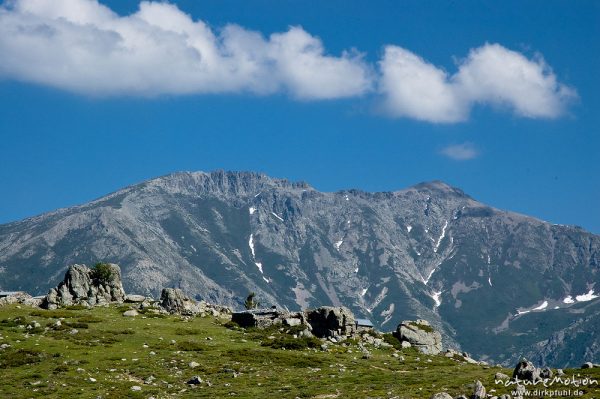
(428, 251)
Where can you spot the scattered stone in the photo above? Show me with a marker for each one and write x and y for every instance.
(131, 313)
(136, 388)
(501, 376)
(451, 353)
(441, 395)
(193, 365)
(195, 381)
(33, 324)
(526, 371)
(478, 391)
(92, 379)
(406, 344)
(560, 372)
(587, 365)
(546, 373)
(74, 331)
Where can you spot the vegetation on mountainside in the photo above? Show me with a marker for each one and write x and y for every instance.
(101, 273)
(250, 302)
(98, 353)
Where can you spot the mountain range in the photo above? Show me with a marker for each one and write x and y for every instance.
(497, 284)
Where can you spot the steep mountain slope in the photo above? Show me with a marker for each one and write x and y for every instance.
(489, 279)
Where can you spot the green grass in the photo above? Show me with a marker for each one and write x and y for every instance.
(422, 327)
(120, 352)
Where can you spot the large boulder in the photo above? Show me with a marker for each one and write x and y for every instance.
(85, 286)
(526, 371)
(263, 318)
(175, 301)
(328, 321)
(20, 297)
(421, 335)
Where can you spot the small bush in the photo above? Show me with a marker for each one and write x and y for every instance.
(61, 368)
(53, 314)
(190, 346)
(76, 307)
(20, 357)
(17, 321)
(78, 325)
(422, 327)
(232, 325)
(102, 273)
(288, 342)
(295, 329)
(89, 319)
(187, 331)
(390, 339)
(250, 302)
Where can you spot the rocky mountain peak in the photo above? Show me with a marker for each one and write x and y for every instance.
(438, 187)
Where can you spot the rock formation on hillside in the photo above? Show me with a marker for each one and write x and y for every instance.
(85, 286)
(421, 335)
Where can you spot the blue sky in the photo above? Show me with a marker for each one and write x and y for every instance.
(500, 100)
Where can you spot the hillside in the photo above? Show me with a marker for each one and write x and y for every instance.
(155, 355)
(496, 284)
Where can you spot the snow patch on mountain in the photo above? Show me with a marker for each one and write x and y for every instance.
(586, 297)
(259, 265)
(251, 244)
(439, 241)
(277, 216)
(337, 244)
(436, 296)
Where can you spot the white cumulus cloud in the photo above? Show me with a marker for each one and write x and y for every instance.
(84, 47)
(490, 74)
(460, 152)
